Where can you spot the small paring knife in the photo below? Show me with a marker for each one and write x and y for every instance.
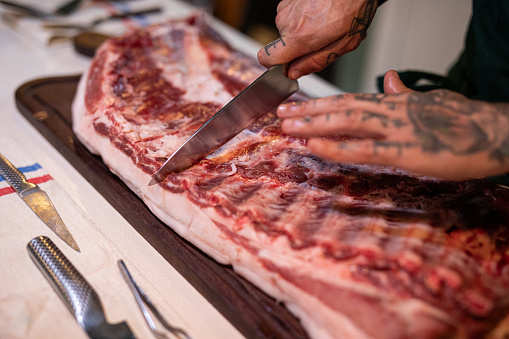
(74, 290)
(37, 200)
(259, 98)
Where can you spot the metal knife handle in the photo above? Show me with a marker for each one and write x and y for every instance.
(14, 176)
(71, 286)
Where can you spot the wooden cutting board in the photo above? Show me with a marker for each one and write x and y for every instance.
(46, 104)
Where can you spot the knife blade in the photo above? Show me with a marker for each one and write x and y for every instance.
(260, 97)
(75, 291)
(37, 200)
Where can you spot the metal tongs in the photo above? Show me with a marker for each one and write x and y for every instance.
(144, 302)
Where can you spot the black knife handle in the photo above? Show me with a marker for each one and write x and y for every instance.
(14, 176)
(71, 286)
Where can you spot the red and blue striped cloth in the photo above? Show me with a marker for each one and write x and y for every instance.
(34, 174)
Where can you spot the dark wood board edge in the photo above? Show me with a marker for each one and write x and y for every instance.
(46, 104)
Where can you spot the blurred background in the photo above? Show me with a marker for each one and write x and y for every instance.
(421, 35)
(405, 35)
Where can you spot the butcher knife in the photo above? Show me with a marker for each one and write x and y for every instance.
(74, 290)
(37, 200)
(260, 97)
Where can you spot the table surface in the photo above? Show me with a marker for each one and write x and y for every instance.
(29, 308)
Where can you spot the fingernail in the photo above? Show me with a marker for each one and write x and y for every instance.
(282, 110)
(285, 110)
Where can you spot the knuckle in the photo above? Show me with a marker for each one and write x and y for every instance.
(352, 44)
(279, 6)
(346, 101)
(347, 96)
(280, 22)
(316, 63)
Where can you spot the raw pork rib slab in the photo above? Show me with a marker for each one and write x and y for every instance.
(353, 252)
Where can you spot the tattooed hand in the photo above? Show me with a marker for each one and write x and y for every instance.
(315, 33)
(438, 133)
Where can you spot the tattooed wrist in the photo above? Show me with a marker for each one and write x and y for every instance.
(360, 25)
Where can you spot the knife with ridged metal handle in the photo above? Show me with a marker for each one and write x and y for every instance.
(74, 290)
(37, 200)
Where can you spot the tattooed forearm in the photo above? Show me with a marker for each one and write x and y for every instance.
(274, 44)
(360, 25)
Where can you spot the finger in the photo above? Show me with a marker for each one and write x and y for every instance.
(365, 151)
(277, 52)
(351, 122)
(403, 155)
(314, 106)
(305, 58)
(393, 83)
(391, 105)
(309, 56)
(330, 123)
(407, 156)
(316, 61)
(294, 44)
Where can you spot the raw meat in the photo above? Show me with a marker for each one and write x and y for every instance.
(353, 251)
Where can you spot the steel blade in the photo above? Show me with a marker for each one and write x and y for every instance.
(259, 98)
(40, 203)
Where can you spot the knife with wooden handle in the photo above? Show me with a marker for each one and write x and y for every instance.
(37, 200)
(74, 290)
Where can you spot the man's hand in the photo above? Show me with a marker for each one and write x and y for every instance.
(438, 133)
(315, 33)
